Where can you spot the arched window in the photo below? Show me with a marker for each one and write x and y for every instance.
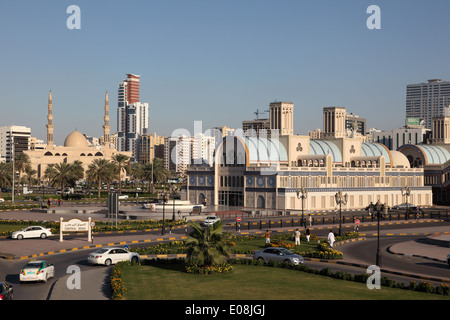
(48, 154)
(99, 154)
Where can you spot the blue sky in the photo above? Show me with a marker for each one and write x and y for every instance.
(216, 61)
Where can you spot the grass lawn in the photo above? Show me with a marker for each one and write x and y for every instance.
(170, 282)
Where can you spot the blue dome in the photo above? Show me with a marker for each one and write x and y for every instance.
(375, 150)
(321, 147)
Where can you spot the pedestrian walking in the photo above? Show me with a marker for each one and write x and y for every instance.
(308, 234)
(267, 235)
(331, 238)
(297, 237)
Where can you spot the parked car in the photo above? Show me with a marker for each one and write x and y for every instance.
(32, 232)
(6, 291)
(405, 205)
(123, 196)
(112, 255)
(281, 255)
(209, 221)
(2, 200)
(448, 260)
(37, 270)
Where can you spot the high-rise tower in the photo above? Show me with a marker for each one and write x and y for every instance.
(132, 115)
(106, 126)
(427, 100)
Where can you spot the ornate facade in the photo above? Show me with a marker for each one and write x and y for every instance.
(256, 172)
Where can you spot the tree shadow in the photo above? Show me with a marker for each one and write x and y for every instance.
(178, 265)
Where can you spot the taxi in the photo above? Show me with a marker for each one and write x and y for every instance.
(37, 270)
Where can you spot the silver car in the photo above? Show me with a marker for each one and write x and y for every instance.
(281, 255)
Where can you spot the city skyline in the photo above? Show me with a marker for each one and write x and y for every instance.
(216, 62)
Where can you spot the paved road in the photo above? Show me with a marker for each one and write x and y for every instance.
(94, 278)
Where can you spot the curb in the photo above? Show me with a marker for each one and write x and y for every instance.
(412, 255)
(11, 257)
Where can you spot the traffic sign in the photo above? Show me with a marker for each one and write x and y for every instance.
(357, 222)
(238, 219)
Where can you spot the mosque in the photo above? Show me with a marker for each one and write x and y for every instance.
(270, 172)
(76, 146)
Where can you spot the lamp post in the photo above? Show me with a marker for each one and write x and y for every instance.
(13, 153)
(302, 194)
(173, 189)
(379, 207)
(406, 191)
(341, 199)
(164, 213)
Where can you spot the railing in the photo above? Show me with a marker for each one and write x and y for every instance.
(251, 224)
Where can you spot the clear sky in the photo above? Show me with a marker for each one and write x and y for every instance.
(217, 61)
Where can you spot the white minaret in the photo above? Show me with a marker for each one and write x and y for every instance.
(50, 125)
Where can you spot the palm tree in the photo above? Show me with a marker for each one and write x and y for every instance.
(160, 174)
(21, 162)
(99, 170)
(154, 172)
(5, 173)
(207, 246)
(122, 163)
(65, 174)
(29, 177)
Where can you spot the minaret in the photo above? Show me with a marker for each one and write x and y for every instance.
(106, 126)
(50, 125)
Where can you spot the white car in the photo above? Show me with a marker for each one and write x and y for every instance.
(32, 232)
(2, 200)
(209, 221)
(37, 270)
(123, 196)
(112, 255)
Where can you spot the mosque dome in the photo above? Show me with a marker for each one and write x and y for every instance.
(76, 140)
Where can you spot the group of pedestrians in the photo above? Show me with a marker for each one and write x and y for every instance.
(297, 235)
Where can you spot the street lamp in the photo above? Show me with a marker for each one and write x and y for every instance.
(173, 189)
(302, 194)
(379, 207)
(164, 200)
(341, 199)
(13, 152)
(406, 191)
